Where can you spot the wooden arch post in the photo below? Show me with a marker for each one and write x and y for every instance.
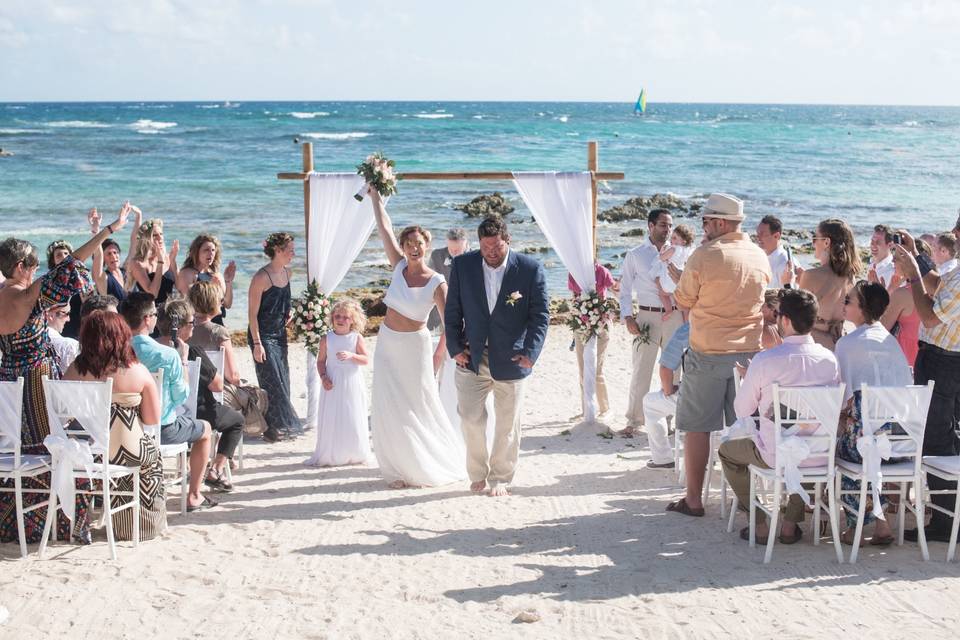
(593, 166)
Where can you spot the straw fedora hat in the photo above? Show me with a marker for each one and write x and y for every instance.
(723, 206)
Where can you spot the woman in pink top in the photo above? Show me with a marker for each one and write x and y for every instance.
(604, 281)
(901, 317)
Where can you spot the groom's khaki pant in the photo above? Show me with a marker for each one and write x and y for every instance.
(645, 359)
(498, 466)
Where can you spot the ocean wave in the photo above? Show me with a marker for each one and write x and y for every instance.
(17, 132)
(910, 123)
(77, 124)
(152, 124)
(433, 116)
(303, 115)
(15, 106)
(350, 135)
(563, 118)
(208, 106)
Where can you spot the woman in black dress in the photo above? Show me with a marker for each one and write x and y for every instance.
(151, 268)
(269, 312)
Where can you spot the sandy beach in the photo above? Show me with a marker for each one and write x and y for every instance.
(584, 544)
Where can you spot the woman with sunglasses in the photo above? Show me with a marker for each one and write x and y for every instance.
(27, 353)
(840, 265)
(867, 355)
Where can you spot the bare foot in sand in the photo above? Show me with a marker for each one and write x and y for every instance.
(498, 491)
(398, 484)
(478, 486)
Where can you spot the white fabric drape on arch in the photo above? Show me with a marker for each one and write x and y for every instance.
(339, 228)
(561, 204)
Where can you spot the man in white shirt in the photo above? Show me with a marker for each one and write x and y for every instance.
(66, 348)
(945, 253)
(769, 234)
(798, 362)
(881, 260)
(649, 329)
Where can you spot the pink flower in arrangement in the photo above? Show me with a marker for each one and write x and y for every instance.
(308, 326)
(584, 318)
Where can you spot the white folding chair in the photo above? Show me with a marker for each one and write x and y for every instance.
(908, 407)
(805, 435)
(946, 468)
(218, 359)
(87, 406)
(13, 465)
(177, 451)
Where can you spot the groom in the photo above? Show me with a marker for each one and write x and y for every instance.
(496, 320)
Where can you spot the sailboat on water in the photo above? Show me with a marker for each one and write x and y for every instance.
(640, 108)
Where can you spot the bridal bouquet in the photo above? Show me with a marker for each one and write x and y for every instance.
(589, 314)
(310, 316)
(377, 170)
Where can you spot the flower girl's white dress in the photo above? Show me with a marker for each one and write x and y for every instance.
(342, 433)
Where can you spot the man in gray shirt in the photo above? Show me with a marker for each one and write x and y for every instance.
(441, 261)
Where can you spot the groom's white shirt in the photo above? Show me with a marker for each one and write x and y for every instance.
(493, 280)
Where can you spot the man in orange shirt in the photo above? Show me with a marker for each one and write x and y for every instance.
(723, 286)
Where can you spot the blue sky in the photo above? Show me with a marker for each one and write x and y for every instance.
(840, 51)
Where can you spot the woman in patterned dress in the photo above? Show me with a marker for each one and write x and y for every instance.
(106, 353)
(27, 352)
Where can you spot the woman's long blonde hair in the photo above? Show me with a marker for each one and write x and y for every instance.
(142, 246)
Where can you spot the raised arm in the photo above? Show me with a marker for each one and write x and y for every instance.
(87, 248)
(97, 273)
(228, 275)
(385, 228)
(134, 232)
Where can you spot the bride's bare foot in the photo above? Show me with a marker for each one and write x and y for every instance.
(398, 484)
(498, 491)
(478, 486)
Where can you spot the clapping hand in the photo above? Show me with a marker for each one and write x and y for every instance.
(667, 252)
(230, 272)
(121, 220)
(93, 217)
(174, 248)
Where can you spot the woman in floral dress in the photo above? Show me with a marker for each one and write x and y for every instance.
(27, 353)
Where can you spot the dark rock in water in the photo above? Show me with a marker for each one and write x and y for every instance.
(638, 208)
(485, 205)
(633, 233)
(799, 234)
(529, 250)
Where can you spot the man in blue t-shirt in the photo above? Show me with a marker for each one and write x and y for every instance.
(140, 312)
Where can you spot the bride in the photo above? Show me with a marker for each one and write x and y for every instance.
(413, 439)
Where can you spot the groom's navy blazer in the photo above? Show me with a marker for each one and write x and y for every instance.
(512, 329)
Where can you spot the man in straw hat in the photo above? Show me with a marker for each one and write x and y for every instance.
(722, 285)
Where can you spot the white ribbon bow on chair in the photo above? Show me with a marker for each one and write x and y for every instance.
(874, 449)
(67, 453)
(791, 452)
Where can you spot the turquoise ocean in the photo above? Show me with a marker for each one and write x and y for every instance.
(211, 167)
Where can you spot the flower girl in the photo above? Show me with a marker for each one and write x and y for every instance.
(342, 432)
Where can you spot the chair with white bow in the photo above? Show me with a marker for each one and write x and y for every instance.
(906, 406)
(85, 407)
(805, 438)
(946, 468)
(13, 465)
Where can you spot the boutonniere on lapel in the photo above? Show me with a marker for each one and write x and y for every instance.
(513, 297)
(448, 261)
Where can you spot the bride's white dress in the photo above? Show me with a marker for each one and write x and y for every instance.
(413, 439)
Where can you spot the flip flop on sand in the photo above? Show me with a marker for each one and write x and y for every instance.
(681, 506)
(203, 506)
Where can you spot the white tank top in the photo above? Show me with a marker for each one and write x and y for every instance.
(413, 302)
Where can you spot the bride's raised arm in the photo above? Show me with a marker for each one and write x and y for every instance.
(385, 228)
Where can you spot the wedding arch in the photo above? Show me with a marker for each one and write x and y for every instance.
(563, 204)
